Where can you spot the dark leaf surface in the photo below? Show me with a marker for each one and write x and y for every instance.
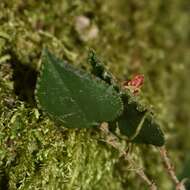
(139, 126)
(75, 97)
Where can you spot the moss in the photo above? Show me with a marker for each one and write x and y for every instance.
(151, 37)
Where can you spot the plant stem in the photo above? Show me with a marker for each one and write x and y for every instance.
(114, 142)
(170, 169)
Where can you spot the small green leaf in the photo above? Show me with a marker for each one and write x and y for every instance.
(74, 97)
(98, 69)
(138, 124)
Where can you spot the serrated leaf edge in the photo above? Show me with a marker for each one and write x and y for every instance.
(76, 71)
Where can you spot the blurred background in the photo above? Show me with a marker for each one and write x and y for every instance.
(130, 36)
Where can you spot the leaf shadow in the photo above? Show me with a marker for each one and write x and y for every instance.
(24, 78)
(4, 181)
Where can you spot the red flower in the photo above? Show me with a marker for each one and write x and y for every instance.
(135, 83)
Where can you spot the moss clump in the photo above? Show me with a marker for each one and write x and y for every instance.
(151, 37)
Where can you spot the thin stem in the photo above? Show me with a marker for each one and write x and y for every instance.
(114, 142)
(170, 169)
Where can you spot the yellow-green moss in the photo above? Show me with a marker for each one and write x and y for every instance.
(151, 37)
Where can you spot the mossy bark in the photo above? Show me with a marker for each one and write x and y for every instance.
(150, 37)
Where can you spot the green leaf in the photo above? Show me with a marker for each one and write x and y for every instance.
(138, 124)
(73, 96)
(98, 69)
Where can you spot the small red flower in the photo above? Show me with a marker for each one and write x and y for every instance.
(134, 84)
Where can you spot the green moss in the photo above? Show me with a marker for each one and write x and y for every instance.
(151, 37)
